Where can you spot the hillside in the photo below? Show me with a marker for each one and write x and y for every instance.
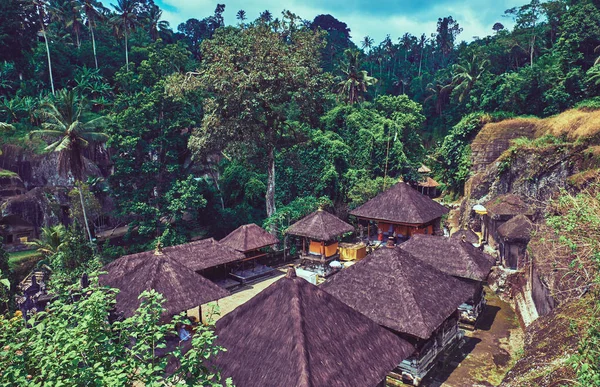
(553, 165)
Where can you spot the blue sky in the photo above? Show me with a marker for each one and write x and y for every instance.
(364, 17)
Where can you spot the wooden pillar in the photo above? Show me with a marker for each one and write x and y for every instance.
(368, 230)
(303, 245)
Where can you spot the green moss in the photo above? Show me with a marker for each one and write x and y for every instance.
(5, 173)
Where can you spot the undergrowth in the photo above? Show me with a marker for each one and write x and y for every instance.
(576, 221)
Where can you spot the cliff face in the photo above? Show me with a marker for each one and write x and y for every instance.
(42, 170)
(536, 159)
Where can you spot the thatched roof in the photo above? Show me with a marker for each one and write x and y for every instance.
(320, 225)
(517, 229)
(182, 288)
(466, 235)
(295, 334)
(248, 237)
(401, 204)
(506, 205)
(399, 291)
(204, 254)
(450, 255)
(429, 183)
(424, 169)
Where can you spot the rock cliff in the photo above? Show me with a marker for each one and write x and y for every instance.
(538, 160)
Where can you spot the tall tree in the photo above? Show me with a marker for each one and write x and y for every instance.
(93, 11)
(154, 23)
(40, 6)
(354, 81)
(241, 16)
(69, 14)
(259, 81)
(126, 20)
(466, 74)
(526, 18)
(63, 121)
(447, 31)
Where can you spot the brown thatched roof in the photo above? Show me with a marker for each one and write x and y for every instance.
(450, 255)
(320, 225)
(401, 204)
(516, 229)
(399, 291)
(466, 235)
(506, 205)
(429, 182)
(248, 237)
(295, 334)
(182, 288)
(204, 254)
(424, 169)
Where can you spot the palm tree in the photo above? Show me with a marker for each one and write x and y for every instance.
(266, 16)
(126, 19)
(467, 74)
(422, 42)
(68, 12)
(52, 240)
(241, 16)
(40, 6)
(439, 92)
(93, 11)
(63, 121)
(355, 81)
(155, 24)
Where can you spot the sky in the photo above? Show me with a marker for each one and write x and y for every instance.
(364, 17)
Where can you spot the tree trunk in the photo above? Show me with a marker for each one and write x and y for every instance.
(532, 49)
(93, 44)
(126, 52)
(49, 61)
(270, 196)
(85, 219)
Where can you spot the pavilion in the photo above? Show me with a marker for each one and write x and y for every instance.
(182, 288)
(408, 297)
(295, 334)
(402, 212)
(499, 211)
(320, 230)
(251, 240)
(459, 259)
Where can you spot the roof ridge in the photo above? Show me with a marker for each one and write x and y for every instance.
(298, 312)
(411, 293)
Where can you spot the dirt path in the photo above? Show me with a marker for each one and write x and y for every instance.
(487, 353)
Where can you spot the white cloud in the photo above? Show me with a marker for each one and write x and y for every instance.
(475, 19)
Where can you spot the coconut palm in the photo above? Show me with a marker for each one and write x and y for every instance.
(69, 13)
(126, 20)
(354, 82)
(241, 16)
(154, 23)
(63, 121)
(438, 92)
(40, 6)
(93, 11)
(467, 74)
(266, 16)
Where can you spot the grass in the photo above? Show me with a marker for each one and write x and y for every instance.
(20, 257)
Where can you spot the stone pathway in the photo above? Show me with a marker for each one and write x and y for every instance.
(227, 304)
(487, 353)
